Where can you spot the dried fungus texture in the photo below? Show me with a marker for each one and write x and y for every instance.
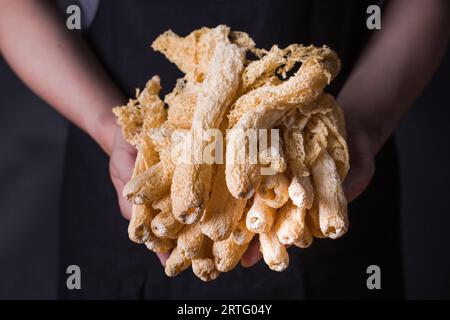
(181, 102)
(241, 235)
(223, 211)
(319, 67)
(261, 216)
(140, 114)
(191, 241)
(141, 215)
(138, 228)
(205, 269)
(136, 118)
(192, 54)
(286, 189)
(291, 225)
(149, 186)
(257, 110)
(331, 201)
(300, 189)
(273, 189)
(164, 225)
(227, 254)
(191, 182)
(274, 253)
(156, 180)
(176, 263)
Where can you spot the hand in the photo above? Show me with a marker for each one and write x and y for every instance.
(362, 165)
(121, 164)
(362, 168)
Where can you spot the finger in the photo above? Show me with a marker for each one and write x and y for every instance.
(359, 177)
(252, 255)
(124, 205)
(163, 258)
(123, 159)
(121, 167)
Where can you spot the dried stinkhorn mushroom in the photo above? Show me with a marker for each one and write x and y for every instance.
(205, 269)
(319, 67)
(138, 228)
(260, 217)
(150, 185)
(332, 203)
(306, 237)
(241, 235)
(301, 191)
(203, 264)
(227, 254)
(191, 241)
(141, 114)
(155, 181)
(138, 116)
(223, 210)
(274, 253)
(287, 191)
(273, 190)
(290, 225)
(192, 181)
(241, 172)
(176, 263)
(312, 220)
(159, 245)
(141, 215)
(164, 224)
(181, 103)
(261, 71)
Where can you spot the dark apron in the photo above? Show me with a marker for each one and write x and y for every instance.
(93, 233)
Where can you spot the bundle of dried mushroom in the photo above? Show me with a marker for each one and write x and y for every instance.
(206, 211)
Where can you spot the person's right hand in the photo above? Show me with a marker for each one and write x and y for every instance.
(121, 163)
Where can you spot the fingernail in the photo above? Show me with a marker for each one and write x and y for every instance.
(248, 262)
(245, 264)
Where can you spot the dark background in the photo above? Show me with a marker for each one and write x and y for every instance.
(32, 141)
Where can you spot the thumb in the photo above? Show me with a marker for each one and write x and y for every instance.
(121, 167)
(163, 258)
(124, 204)
(122, 160)
(357, 180)
(362, 169)
(252, 255)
